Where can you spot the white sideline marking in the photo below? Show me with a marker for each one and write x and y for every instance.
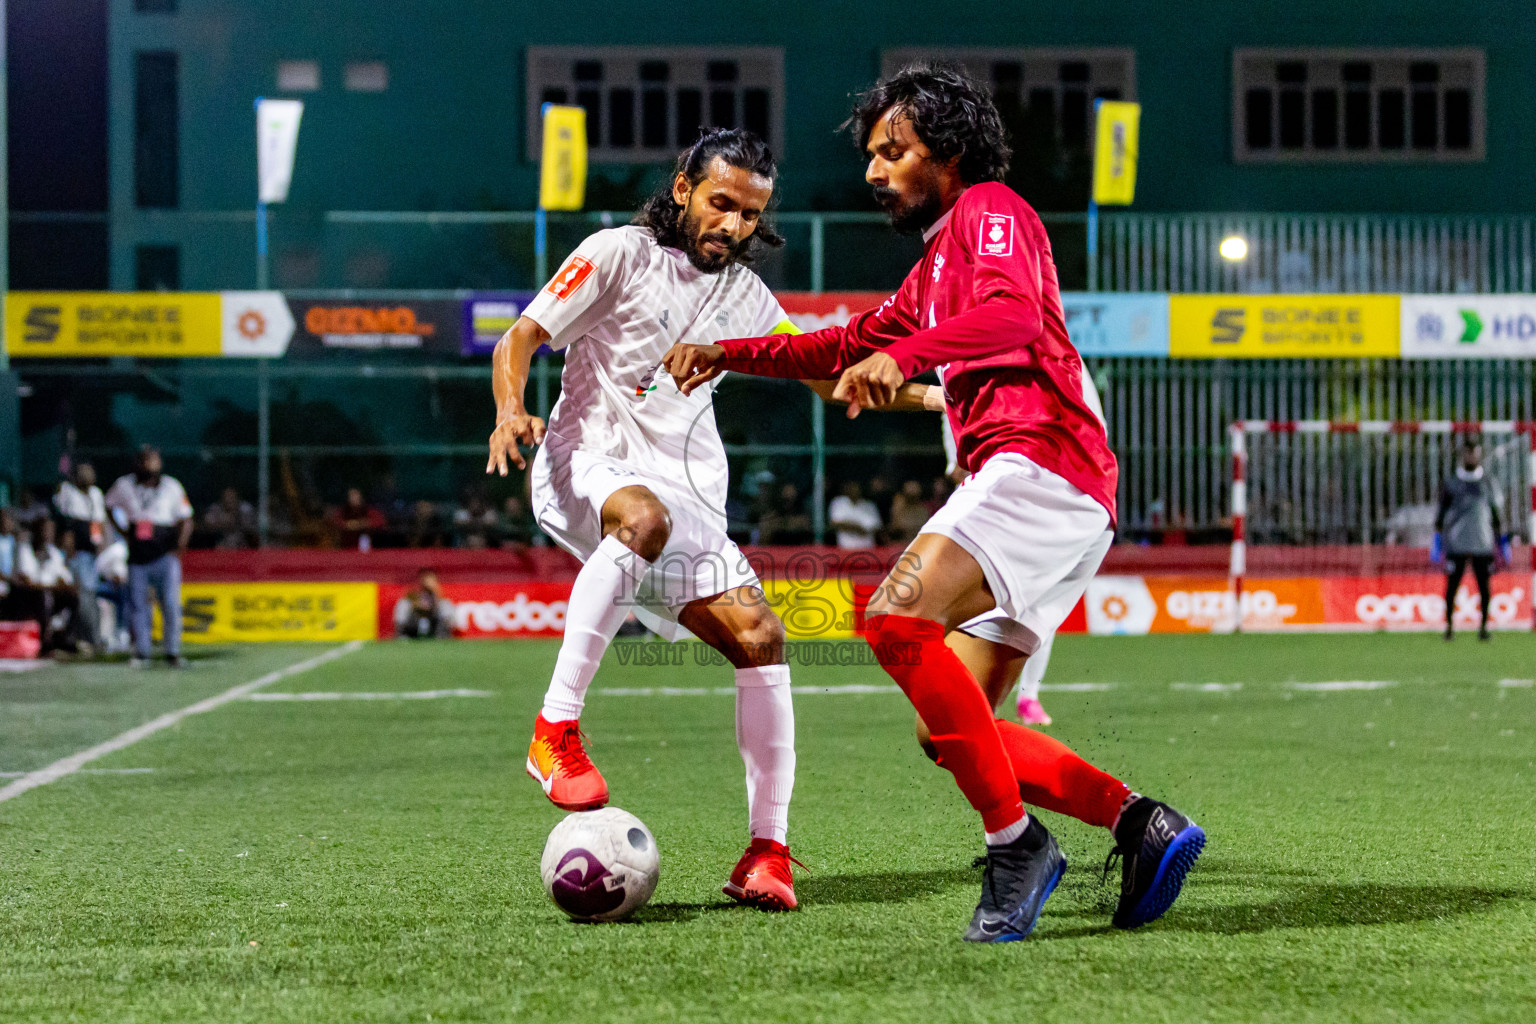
(1521, 683)
(1344, 684)
(1076, 687)
(89, 771)
(17, 665)
(1207, 687)
(818, 691)
(74, 762)
(398, 695)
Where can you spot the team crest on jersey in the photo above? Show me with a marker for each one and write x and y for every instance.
(996, 235)
(571, 277)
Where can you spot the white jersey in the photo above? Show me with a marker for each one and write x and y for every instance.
(619, 302)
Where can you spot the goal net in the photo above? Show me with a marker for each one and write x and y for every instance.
(1333, 522)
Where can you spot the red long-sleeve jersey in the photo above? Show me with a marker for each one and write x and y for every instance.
(983, 307)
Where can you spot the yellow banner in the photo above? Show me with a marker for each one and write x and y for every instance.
(563, 170)
(113, 324)
(221, 613)
(1283, 326)
(1116, 143)
(813, 609)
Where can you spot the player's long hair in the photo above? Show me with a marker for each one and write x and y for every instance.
(951, 114)
(737, 147)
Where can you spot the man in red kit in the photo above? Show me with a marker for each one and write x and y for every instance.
(1013, 549)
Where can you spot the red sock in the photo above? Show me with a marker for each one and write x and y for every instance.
(1050, 775)
(959, 718)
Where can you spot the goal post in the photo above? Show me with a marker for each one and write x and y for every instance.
(1352, 503)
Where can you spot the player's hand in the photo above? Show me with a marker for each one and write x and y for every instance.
(519, 428)
(933, 399)
(869, 384)
(692, 365)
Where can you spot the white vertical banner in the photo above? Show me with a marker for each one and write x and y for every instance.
(277, 138)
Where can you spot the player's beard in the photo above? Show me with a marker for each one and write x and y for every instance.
(710, 263)
(911, 215)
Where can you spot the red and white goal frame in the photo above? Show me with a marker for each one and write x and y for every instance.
(1240, 430)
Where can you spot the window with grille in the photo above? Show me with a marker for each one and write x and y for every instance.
(1054, 86)
(1366, 104)
(644, 104)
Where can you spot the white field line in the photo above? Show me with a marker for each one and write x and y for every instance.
(1525, 684)
(397, 695)
(18, 665)
(74, 762)
(90, 771)
(807, 691)
(1343, 684)
(1076, 687)
(1207, 687)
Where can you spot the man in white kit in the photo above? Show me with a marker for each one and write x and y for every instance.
(631, 475)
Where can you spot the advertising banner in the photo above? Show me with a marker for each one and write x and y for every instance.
(1194, 604)
(277, 140)
(255, 324)
(487, 316)
(1117, 130)
(216, 613)
(811, 312)
(1117, 323)
(1469, 326)
(152, 324)
(1417, 601)
(377, 325)
(1283, 326)
(563, 166)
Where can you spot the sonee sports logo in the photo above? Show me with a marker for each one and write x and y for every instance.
(1227, 326)
(571, 277)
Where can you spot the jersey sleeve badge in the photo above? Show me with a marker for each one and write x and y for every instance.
(571, 277)
(996, 235)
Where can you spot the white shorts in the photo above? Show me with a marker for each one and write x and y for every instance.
(1038, 540)
(570, 486)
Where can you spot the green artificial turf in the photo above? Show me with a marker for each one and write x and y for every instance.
(1371, 856)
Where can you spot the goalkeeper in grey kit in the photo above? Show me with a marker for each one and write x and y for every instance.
(1469, 532)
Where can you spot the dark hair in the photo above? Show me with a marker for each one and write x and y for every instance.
(738, 148)
(951, 114)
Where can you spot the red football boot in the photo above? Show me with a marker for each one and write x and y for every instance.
(559, 764)
(763, 877)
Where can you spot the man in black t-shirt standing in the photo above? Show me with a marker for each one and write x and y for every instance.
(151, 511)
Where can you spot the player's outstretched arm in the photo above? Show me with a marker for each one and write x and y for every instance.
(910, 397)
(509, 377)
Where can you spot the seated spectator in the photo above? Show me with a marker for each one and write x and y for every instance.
(909, 514)
(29, 511)
(785, 521)
(424, 529)
(854, 517)
(942, 488)
(7, 564)
(43, 577)
(516, 526)
(423, 613)
(475, 522)
(112, 590)
(231, 522)
(355, 523)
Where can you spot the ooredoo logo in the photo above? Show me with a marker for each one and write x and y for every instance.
(1429, 609)
(519, 615)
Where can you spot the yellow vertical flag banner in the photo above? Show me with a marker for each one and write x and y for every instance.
(1116, 140)
(563, 171)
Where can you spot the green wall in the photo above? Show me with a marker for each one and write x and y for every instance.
(448, 134)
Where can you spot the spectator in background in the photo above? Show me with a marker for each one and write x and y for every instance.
(909, 514)
(82, 517)
(785, 521)
(151, 511)
(938, 494)
(515, 528)
(355, 522)
(881, 493)
(474, 522)
(43, 577)
(8, 531)
(425, 527)
(854, 517)
(112, 574)
(423, 613)
(231, 522)
(28, 510)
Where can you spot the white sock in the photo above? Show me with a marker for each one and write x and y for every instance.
(1009, 834)
(600, 602)
(765, 732)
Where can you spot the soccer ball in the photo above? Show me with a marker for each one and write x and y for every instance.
(600, 865)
